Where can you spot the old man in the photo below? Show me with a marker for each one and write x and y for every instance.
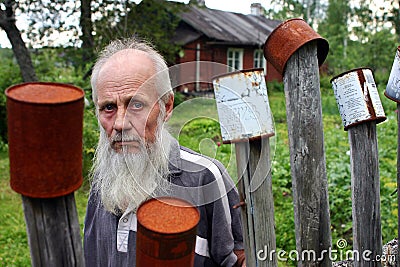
(137, 159)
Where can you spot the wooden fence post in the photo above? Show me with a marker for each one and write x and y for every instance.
(398, 180)
(393, 93)
(254, 168)
(307, 155)
(365, 193)
(360, 108)
(53, 231)
(297, 60)
(246, 121)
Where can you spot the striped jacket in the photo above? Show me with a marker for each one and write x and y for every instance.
(109, 240)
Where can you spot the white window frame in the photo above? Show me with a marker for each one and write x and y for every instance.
(236, 52)
(257, 55)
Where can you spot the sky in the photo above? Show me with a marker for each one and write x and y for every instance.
(238, 6)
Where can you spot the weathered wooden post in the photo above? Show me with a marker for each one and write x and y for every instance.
(393, 92)
(360, 108)
(296, 51)
(45, 150)
(246, 120)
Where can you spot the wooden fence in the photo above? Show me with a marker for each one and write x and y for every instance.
(297, 52)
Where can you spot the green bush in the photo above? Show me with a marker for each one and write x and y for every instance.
(90, 138)
(9, 75)
(179, 98)
(275, 86)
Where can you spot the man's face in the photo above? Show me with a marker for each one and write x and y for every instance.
(127, 101)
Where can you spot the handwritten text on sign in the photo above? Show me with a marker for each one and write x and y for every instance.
(242, 104)
(358, 100)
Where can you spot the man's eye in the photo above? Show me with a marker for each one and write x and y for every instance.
(108, 107)
(136, 105)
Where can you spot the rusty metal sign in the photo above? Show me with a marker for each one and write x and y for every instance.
(357, 97)
(243, 107)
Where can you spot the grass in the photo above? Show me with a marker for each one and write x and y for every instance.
(195, 124)
(14, 249)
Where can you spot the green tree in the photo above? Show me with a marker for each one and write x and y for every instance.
(335, 29)
(312, 11)
(154, 20)
(86, 25)
(21, 52)
(395, 17)
(381, 49)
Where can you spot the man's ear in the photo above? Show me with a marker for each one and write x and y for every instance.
(169, 106)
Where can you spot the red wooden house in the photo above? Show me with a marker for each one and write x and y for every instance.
(232, 39)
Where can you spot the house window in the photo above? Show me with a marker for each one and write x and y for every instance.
(235, 59)
(259, 60)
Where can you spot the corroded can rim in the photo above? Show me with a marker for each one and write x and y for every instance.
(173, 201)
(351, 70)
(79, 91)
(287, 38)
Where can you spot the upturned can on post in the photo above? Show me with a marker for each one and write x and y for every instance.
(287, 38)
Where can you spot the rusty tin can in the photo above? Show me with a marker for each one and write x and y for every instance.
(45, 138)
(166, 233)
(357, 97)
(242, 104)
(287, 38)
(393, 87)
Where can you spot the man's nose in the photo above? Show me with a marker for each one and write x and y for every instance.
(121, 122)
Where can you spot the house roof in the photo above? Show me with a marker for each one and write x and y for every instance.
(224, 27)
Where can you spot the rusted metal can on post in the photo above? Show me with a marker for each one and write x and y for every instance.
(361, 109)
(166, 233)
(45, 122)
(297, 52)
(357, 97)
(287, 38)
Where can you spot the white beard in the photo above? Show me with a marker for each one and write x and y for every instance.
(127, 179)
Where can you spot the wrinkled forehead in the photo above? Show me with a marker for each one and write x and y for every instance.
(128, 68)
(133, 60)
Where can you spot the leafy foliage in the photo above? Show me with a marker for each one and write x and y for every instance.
(48, 19)
(10, 75)
(311, 11)
(155, 20)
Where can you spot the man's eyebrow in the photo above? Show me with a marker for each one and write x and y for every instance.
(135, 98)
(105, 102)
(126, 100)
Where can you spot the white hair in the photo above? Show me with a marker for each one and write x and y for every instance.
(161, 76)
(127, 179)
